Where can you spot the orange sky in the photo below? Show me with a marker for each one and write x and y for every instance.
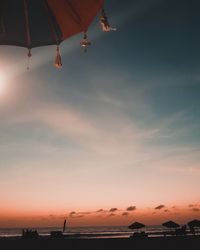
(101, 217)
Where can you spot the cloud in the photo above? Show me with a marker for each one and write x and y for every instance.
(66, 120)
(131, 208)
(191, 205)
(111, 215)
(72, 213)
(113, 209)
(125, 214)
(166, 211)
(195, 209)
(75, 215)
(85, 213)
(159, 207)
(100, 211)
(80, 216)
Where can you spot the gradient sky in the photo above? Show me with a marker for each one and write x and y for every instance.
(118, 126)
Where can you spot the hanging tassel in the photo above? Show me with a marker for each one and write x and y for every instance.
(58, 61)
(85, 43)
(104, 22)
(28, 59)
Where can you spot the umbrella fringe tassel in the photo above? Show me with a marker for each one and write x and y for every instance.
(105, 23)
(28, 59)
(58, 60)
(85, 42)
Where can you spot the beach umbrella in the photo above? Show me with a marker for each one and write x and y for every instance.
(194, 223)
(35, 23)
(136, 225)
(170, 224)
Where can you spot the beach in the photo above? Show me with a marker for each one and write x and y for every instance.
(158, 243)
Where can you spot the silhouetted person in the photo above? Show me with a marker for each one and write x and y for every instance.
(192, 230)
(181, 231)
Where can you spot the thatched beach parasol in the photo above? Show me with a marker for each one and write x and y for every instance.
(136, 225)
(170, 224)
(194, 223)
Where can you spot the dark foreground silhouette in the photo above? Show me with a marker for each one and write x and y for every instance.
(158, 243)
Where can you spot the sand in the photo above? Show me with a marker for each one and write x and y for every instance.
(159, 243)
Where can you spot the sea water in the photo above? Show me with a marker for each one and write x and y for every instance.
(96, 232)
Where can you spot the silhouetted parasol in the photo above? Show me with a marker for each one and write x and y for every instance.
(171, 224)
(34, 23)
(194, 223)
(136, 225)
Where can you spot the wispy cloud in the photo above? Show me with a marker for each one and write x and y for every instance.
(114, 209)
(125, 214)
(166, 211)
(195, 209)
(72, 213)
(100, 210)
(111, 215)
(131, 208)
(159, 207)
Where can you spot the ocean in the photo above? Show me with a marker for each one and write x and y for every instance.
(87, 232)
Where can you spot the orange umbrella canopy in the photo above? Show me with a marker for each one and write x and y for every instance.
(33, 23)
(74, 16)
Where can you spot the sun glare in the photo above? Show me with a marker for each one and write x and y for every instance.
(2, 83)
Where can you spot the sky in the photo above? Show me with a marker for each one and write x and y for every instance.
(112, 137)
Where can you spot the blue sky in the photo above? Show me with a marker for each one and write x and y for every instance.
(115, 126)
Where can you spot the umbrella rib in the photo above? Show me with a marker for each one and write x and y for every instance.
(79, 21)
(50, 22)
(27, 23)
